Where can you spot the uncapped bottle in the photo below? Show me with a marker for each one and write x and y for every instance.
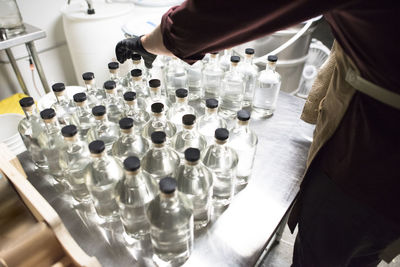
(180, 108)
(171, 224)
(222, 160)
(83, 115)
(195, 180)
(140, 116)
(210, 121)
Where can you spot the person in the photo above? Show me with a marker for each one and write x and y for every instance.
(346, 210)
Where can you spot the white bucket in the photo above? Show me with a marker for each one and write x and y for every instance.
(9, 134)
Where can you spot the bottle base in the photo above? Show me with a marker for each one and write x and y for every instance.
(262, 113)
(171, 259)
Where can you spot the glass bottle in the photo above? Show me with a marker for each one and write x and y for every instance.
(225, 61)
(244, 142)
(138, 63)
(232, 90)
(103, 130)
(171, 225)
(95, 95)
(114, 105)
(158, 122)
(104, 174)
(75, 161)
(140, 116)
(196, 181)
(250, 73)
(194, 74)
(267, 89)
(223, 161)
(175, 78)
(113, 68)
(129, 143)
(137, 84)
(188, 137)
(155, 95)
(210, 121)
(134, 193)
(53, 143)
(212, 77)
(160, 160)
(31, 128)
(83, 115)
(179, 108)
(63, 106)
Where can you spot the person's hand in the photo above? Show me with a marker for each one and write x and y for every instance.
(127, 47)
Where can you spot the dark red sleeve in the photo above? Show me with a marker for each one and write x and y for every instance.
(197, 27)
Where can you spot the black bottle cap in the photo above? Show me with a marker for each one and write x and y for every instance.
(69, 130)
(211, 103)
(243, 115)
(188, 119)
(136, 57)
(110, 85)
(87, 76)
(58, 87)
(99, 110)
(221, 134)
(47, 114)
(97, 147)
(154, 83)
(26, 102)
(113, 65)
(157, 107)
(167, 185)
(130, 96)
(192, 154)
(126, 123)
(235, 59)
(79, 97)
(136, 73)
(249, 51)
(132, 163)
(181, 93)
(158, 137)
(272, 58)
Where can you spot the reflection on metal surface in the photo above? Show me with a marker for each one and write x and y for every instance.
(236, 237)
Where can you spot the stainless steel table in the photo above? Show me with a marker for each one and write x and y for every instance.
(237, 237)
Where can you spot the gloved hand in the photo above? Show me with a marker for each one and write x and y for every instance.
(127, 47)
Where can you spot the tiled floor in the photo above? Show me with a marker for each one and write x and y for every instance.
(281, 254)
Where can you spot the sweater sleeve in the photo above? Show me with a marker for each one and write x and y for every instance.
(197, 27)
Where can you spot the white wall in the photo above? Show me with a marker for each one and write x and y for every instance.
(53, 50)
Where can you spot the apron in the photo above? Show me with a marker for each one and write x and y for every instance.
(329, 98)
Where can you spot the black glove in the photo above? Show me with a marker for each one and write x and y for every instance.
(127, 47)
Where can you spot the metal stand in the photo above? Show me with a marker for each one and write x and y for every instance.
(30, 34)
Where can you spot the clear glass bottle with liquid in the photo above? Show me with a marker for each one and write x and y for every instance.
(132, 110)
(53, 144)
(31, 128)
(160, 160)
(179, 108)
(113, 68)
(114, 105)
(137, 63)
(213, 75)
(189, 136)
(129, 143)
(195, 180)
(244, 141)
(63, 106)
(225, 60)
(267, 90)
(232, 90)
(104, 174)
(171, 225)
(75, 161)
(175, 77)
(210, 121)
(194, 74)
(250, 73)
(95, 95)
(103, 130)
(134, 193)
(138, 85)
(158, 122)
(223, 161)
(83, 115)
(155, 95)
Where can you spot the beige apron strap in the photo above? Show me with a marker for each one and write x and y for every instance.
(376, 92)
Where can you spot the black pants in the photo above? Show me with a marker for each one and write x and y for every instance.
(335, 230)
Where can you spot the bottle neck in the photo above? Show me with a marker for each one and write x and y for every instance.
(72, 141)
(233, 67)
(52, 125)
(101, 119)
(271, 65)
(211, 111)
(248, 59)
(159, 146)
(114, 74)
(90, 85)
(188, 128)
(30, 112)
(137, 64)
(213, 59)
(132, 105)
(110, 94)
(181, 101)
(99, 157)
(158, 116)
(220, 143)
(137, 81)
(61, 98)
(127, 133)
(155, 92)
(169, 200)
(242, 125)
(133, 178)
